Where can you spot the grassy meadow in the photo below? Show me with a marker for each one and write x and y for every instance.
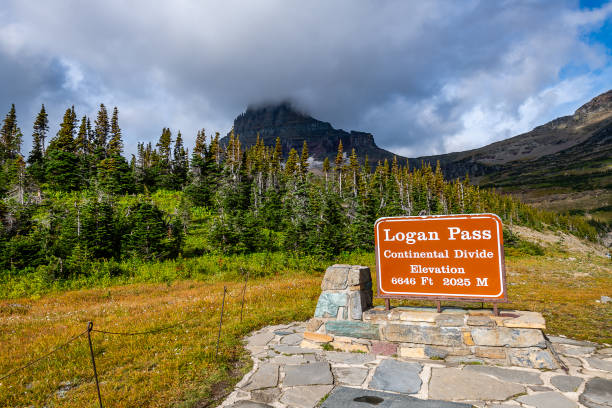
(177, 367)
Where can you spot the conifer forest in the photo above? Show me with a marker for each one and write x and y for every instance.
(76, 204)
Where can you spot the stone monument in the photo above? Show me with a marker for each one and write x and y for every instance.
(345, 320)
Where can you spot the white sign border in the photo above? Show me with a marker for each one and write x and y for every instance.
(498, 223)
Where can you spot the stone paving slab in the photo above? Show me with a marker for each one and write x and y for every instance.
(547, 400)
(344, 397)
(305, 396)
(397, 376)
(599, 364)
(260, 339)
(597, 393)
(308, 374)
(250, 404)
(292, 339)
(566, 383)
(506, 374)
(266, 376)
(286, 375)
(350, 375)
(460, 385)
(349, 358)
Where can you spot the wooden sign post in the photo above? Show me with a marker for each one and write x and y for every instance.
(447, 257)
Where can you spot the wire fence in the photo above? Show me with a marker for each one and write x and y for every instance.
(90, 329)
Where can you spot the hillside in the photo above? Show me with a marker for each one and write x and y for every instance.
(562, 165)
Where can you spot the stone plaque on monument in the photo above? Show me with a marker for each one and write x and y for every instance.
(448, 257)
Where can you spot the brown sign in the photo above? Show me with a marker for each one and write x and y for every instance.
(441, 257)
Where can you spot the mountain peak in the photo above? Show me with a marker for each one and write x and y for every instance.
(264, 116)
(601, 103)
(293, 127)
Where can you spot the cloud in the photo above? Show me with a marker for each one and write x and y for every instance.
(423, 77)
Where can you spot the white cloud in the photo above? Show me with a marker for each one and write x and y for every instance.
(423, 77)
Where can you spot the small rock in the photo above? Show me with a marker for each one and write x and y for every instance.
(260, 339)
(397, 376)
(292, 339)
(599, 364)
(539, 388)
(547, 400)
(506, 374)
(418, 316)
(352, 329)
(597, 393)
(456, 384)
(350, 375)
(267, 396)
(571, 361)
(565, 340)
(532, 357)
(305, 396)
(527, 320)
(566, 383)
(314, 324)
(349, 347)
(384, 348)
(329, 304)
(335, 277)
(605, 299)
(318, 337)
(509, 337)
(490, 352)
(434, 352)
(438, 336)
(607, 351)
(294, 359)
(570, 350)
(411, 352)
(283, 349)
(450, 319)
(349, 358)
(249, 404)
(464, 360)
(480, 321)
(359, 274)
(308, 374)
(266, 376)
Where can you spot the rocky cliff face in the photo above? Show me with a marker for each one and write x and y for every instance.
(294, 127)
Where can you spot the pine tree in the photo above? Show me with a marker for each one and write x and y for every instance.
(354, 170)
(62, 170)
(41, 127)
(101, 131)
(304, 161)
(82, 139)
(36, 163)
(179, 162)
(339, 166)
(114, 172)
(291, 166)
(115, 144)
(326, 168)
(36, 159)
(163, 165)
(10, 137)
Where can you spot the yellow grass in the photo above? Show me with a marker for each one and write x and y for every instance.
(177, 367)
(157, 370)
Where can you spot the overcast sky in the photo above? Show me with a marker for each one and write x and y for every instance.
(424, 77)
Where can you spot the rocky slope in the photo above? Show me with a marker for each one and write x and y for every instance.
(293, 127)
